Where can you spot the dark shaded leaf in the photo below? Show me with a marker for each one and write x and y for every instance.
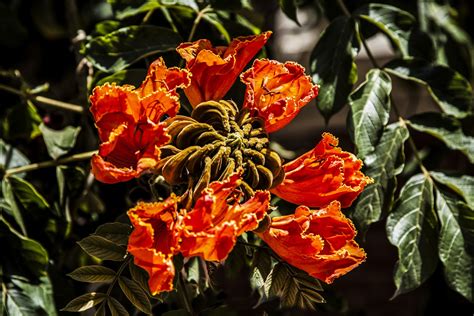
(93, 274)
(289, 7)
(446, 129)
(392, 21)
(84, 302)
(123, 47)
(116, 309)
(135, 294)
(412, 227)
(383, 165)
(59, 142)
(369, 111)
(133, 77)
(462, 185)
(115, 232)
(457, 220)
(451, 91)
(332, 65)
(102, 248)
(140, 276)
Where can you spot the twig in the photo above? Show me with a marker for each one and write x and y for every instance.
(44, 100)
(50, 163)
(198, 19)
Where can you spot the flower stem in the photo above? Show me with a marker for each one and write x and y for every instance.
(44, 100)
(50, 163)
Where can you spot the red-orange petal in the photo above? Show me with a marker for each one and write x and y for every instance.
(214, 69)
(320, 242)
(276, 92)
(322, 175)
(212, 227)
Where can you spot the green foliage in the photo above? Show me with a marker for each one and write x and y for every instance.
(59, 143)
(102, 248)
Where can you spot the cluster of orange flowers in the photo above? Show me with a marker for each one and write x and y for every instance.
(132, 128)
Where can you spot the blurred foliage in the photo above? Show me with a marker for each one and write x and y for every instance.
(74, 45)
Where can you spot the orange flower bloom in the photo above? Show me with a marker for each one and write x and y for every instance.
(154, 241)
(277, 91)
(214, 69)
(320, 242)
(217, 219)
(322, 175)
(128, 121)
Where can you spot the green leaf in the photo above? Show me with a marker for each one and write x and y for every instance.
(462, 185)
(294, 288)
(93, 274)
(446, 129)
(123, 47)
(115, 232)
(332, 65)
(22, 251)
(140, 276)
(59, 142)
(102, 248)
(449, 89)
(84, 302)
(116, 309)
(289, 7)
(128, 76)
(21, 122)
(383, 165)
(369, 111)
(135, 294)
(11, 157)
(392, 21)
(412, 228)
(215, 20)
(26, 298)
(455, 217)
(106, 27)
(128, 10)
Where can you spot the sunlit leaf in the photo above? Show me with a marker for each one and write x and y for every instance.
(84, 302)
(369, 111)
(413, 228)
(59, 142)
(332, 65)
(446, 129)
(451, 91)
(123, 47)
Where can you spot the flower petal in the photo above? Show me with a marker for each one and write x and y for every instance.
(276, 91)
(322, 175)
(214, 70)
(320, 242)
(217, 219)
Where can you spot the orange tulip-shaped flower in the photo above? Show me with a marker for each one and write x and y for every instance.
(322, 175)
(217, 219)
(214, 69)
(129, 122)
(276, 91)
(154, 240)
(320, 242)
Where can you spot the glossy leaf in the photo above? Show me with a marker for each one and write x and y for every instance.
(123, 47)
(59, 142)
(382, 165)
(462, 185)
(451, 91)
(93, 274)
(332, 65)
(135, 294)
(446, 129)
(413, 228)
(84, 302)
(392, 21)
(294, 288)
(369, 111)
(455, 218)
(102, 248)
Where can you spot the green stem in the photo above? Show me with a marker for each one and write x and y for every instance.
(198, 19)
(148, 16)
(183, 292)
(50, 163)
(44, 100)
(168, 18)
(117, 275)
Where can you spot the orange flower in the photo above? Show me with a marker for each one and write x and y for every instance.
(130, 150)
(322, 175)
(217, 219)
(155, 239)
(128, 121)
(320, 242)
(277, 91)
(214, 69)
